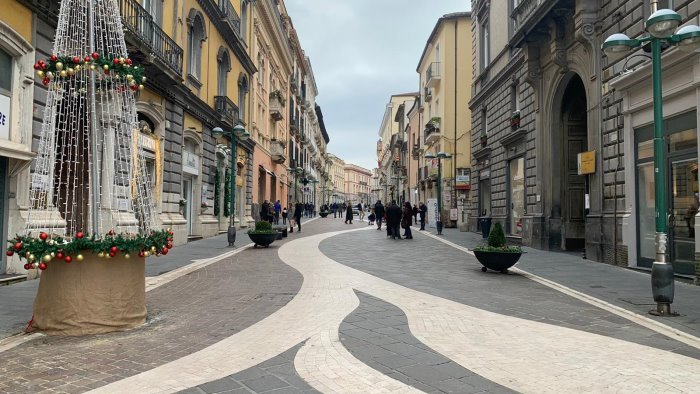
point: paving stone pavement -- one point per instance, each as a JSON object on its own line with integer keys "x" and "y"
{"x": 185, "y": 315}
{"x": 434, "y": 268}
{"x": 18, "y": 298}
{"x": 620, "y": 286}
{"x": 276, "y": 375}
{"x": 377, "y": 333}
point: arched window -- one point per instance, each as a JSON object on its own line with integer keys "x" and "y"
{"x": 242, "y": 92}
{"x": 195, "y": 37}
{"x": 223, "y": 68}
{"x": 244, "y": 20}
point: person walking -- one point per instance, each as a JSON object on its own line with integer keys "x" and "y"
{"x": 407, "y": 220}
{"x": 297, "y": 215}
{"x": 371, "y": 217}
{"x": 284, "y": 216}
{"x": 379, "y": 212}
{"x": 264, "y": 211}
{"x": 422, "y": 210}
{"x": 361, "y": 211}
{"x": 415, "y": 214}
{"x": 278, "y": 211}
{"x": 343, "y": 208}
{"x": 348, "y": 213}
{"x": 334, "y": 208}
{"x": 393, "y": 220}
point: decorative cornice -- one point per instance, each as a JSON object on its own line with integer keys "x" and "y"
{"x": 482, "y": 153}
{"x": 513, "y": 138}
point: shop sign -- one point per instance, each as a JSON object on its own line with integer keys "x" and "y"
{"x": 453, "y": 214}
{"x": 4, "y": 117}
{"x": 586, "y": 162}
{"x": 147, "y": 142}
{"x": 190, "y": 163}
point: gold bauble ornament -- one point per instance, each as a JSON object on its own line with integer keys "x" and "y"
{"x": 31, "y": 257}
{"x": 77, "y": 67}
{"x": 107, "y": 256}
{"x": 63, "y": 73}
{"x": 146, "y": 254}
{"x": 79, "y": 257}
{"x": 141, "y": 87}
{"x": 52, "y": 242}
{"x": 53, "y": 254}
{"x": 153, "y": 249}
{"x": 35, "y": 265}
{"x": 59, "y": 66}
{"x": 92, "y": 67}
{"x": 106, "y": 67}
{"x": 127, "y": 256}
{"x": 49, "y": 75}
{"x": 101, "y": 254}
{"x": 129, "y": 77}
{"x": 47, "y": 258}
{"x": 143, "y": 79}
{"x": 71, "y": 72}
{"x": 40, "y": 74}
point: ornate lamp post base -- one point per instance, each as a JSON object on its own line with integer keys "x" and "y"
{"x": 231, "y": 235}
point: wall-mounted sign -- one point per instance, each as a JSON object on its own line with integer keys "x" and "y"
{"x": 586, "y": 162}
{"x": 147, "y": 142}
{"x": 190, "y": 163}
{"x": 4, "y": 117}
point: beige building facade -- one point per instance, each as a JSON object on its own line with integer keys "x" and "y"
{"x": 357, "y": 184}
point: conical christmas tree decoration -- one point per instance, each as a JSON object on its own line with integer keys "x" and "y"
{"x": 87, "y": 168}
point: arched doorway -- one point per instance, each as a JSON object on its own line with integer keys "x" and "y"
{"x": 570, "y": 137}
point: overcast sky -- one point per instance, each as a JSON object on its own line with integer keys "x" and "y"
{"x": 362, "y": 52}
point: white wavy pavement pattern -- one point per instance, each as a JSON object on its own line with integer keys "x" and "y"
{"x": 523, "y": 355}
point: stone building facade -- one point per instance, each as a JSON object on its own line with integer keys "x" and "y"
{"x": 543, "y": 93}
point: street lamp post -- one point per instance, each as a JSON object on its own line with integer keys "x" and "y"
{"x": 237, "y": 133}
{"x": 660, "y": 27}
{"x": 439, "y": 157}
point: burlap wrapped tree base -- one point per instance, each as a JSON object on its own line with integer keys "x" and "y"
{"x": 93, "y": 296}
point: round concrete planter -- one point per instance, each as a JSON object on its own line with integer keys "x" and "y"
{"x": 497, "y": 261}
{"x": 263, "y": 239}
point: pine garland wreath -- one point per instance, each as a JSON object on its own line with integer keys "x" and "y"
{"x": 39, "y": 251}
{"x": 119, "y": 68}
{"x": 217, "y": 192}
{"x": 227, "y": 193}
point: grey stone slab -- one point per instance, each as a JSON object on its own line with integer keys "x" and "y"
{"x": 405, "y": 359}
{"x": 427, "y": 265}
{"x": 264, "y": 384}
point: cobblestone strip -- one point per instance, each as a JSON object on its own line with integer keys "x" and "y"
{"x": 276, "y": 374}
{"x": 649, "y": 323}
{"x": 328, "y": 366}
{"x": 377, "y": 333}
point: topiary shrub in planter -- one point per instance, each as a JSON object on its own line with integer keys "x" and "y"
{"x": 496, "y": 254}
{"x": 263, "y": 234}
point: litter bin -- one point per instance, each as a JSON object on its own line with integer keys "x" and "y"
{"x": 485, "y": 226}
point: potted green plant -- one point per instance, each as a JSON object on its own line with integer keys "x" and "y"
{"x": 496, "y": 254}
{"x": 435, "y": 120}
{"x": 277, "y": 95}
{"x": 263, "y": 234}
{"x": 515, "y": 119}
{"x": 324, "y": 211}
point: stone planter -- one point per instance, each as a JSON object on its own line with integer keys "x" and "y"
{"x": 263, "y": 240}
{"x": 93, "y": 296}
{"x": 497, "y": 261}
{"x": 323, "y": 214}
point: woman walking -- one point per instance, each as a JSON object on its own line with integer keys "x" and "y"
{"x": 348, "y": 213}
{"x": 406, "y": 220}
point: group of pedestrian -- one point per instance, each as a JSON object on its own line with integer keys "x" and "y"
{"x": 397, "y": 217}
{"x": 271, "y": 212}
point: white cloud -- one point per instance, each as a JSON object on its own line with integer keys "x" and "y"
{"x": 362, "y": 52}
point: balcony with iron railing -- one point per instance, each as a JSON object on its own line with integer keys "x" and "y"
{"x": 143, "y": 31}
{"x": 227, "y": 110}
{"x": 432, "y": 75}
{"x": 432, "y": 131}
{"x": 230, "y": 16}
{"x": 277, "y": 148}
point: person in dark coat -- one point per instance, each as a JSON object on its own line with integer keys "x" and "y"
{"x": 348, "y": 213}
{"x": 264, "y": 211}
{"x": 393, "y": 220}
{"x": 415, "y": 214}
{"x": 407, "y": 219}
{"x": 298, "y": 209}
{"x": 379, "y": 213}
{"x": 422, "y": 211}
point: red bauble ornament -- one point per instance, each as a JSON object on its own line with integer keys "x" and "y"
{"x": 171, "y": 233}
{"x": 76, "y": 59}
{"x": 27, "y": 266}
{"x": 169, "y": 245}
{"x": 128, "y": 61}
{"x": 112, "y": 254}
{"x": 87, "y": 59}
{"x": 54, "y": 58}
{"x": 95, "y": 55}
{"x": 68, "y": 259}
{"x": 164, "y": 251}
{"x": 18, "y": 246}
{"x": 111, "y": 232}
{"x": 79, "y": 234}
{"x": 37, "y": 66}
{"x": 42, "y": 266}
{"x": 45, "y": 81}
{"x": 10, "y": 253}
{"x": 116, "y": 61}
{"x": 141, "y": 254}
{"x": 135, "y": 88}
{"x": 60, "y": 256}
{"x": 113, "y": 249}
{"x": 43, "y": 236}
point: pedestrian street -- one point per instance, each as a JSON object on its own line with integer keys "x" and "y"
{"x": 340, "y": 308}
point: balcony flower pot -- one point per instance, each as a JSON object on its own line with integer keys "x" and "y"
{"x": 484, "y": 140}
{"x": 263, "y": 234}
{"x": 496, "y": 255}
{"x": 515, "y": 120}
